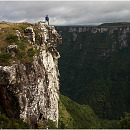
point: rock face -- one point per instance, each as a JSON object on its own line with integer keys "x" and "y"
{"x": 12, "y": 49}
{"x": 31, "y": 91}
{"x": 121, "y": 32}
{"x": 30, "y": 34}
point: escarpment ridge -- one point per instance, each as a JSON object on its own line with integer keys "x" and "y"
{"x": 29, "y": 75}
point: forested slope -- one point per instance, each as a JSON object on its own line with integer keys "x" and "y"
{"x": 94, "y": 68}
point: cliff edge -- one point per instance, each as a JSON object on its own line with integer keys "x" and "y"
{"x": 29, "y": 76}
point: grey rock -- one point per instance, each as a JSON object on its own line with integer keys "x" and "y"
{"x": 12, "y": 49}
{"x": 35, "y": 85}
{"x": 18, "y": 33}
{"x": 30, "y": 34}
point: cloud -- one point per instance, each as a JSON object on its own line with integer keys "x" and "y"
{"x": 66, "y": 12}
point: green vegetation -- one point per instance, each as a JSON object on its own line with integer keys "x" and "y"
{"x": 79, "y": 116}
{"x": 71, "y": 116}
{"x": 5, "y": 58}
{"x": 25, "y": 51}
{"x": 124, "y": 123}
{"x": 94, "y": 71}
{"x": 97, "y": 73}
{"x": 109, "y": 124}
{"x": 6, "y": 123}
{"x": 31, "y": 52}
{"x": 37, "y": 36}
{"x": 75, "y": 116}
{"x": 46, "y": 124}
{"x": 12, "y": 38}
{"x": 65, "y": 119}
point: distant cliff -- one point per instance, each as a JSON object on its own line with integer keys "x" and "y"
{"x": 29, "y": 76}
{"x": 94, "y": 68}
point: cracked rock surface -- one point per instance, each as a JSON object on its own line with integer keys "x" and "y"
{"x": 31, "y": 91}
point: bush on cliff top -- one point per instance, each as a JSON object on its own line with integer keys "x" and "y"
{"x": 8, "y": 37}
{"x": 5, "y": 58}
{"x": 12, "y": 38}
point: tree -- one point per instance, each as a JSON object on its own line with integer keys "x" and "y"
{"x": 124, "y": 123}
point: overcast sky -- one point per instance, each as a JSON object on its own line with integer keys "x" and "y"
{"x": 66, "y": 13}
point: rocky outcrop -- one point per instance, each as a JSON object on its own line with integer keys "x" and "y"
{"x": 30, "y": 34}
{"x": 121, "y": 32}
{"x": 12, "y": 49}
{"x": 34, "y": 86}
{"x": 18, "y": 33}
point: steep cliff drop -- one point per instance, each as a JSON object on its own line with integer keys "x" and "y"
{"x": 99, "y": 61}
{"x": 31, "y": 90}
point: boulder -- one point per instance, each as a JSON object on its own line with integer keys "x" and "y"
{"x": 12, "y": 49}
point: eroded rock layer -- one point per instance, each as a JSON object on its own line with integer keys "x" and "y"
{"x": 31, "y": 90}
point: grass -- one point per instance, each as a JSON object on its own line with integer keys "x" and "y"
{"x": 4, "y": 26}
{"x": 8, "y": 37}
{"x": 12, "y": 38}
{"x": 5, "y": 58}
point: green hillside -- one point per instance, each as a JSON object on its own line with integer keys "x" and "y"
{"x": 81, "y": 116}
{"x": 94, "y": 68}
{"x": 76, "y": 116}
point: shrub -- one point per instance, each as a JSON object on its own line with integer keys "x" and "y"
{"x": 37, "y": 36}
{"x": 22, "y": 27}
{"x": 12, "y": 38}
{"x": 124, "y": 123}
{"x": 25, "y": 57}
{"x": 6, "y": 123}
{"x": 50, "y": 124}
{"x": 37, "y": 52}
{"x": 21, "y": 46}
{"x": 4, "y": 58}
{"x": 21, "y": 54}
{"x": 31, "y": 52}
{"x": 3, "y": 121}
{"x": 46, "y": 124}
{"x": 40, "y": 125}
{"x": 37, "y": 42}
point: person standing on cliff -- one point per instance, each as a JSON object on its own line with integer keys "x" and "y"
{"x": 47, "y": 19}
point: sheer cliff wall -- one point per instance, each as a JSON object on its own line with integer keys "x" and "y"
{"x": 31, "y": 90}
